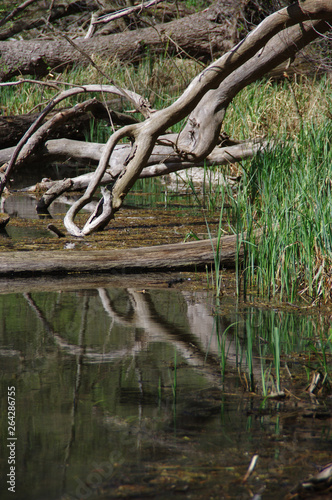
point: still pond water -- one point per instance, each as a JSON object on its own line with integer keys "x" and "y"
{"x": 129, "y": 389}
{"x": 126, "y": 387}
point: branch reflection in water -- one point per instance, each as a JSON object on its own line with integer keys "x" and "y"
{"x": 148, "y": 389}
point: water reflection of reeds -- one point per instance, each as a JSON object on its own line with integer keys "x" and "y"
{"x": 155, "y": 373}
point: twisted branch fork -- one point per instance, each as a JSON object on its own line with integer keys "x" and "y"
{"x": 96, "y": 222}
{"x": 145, "y": 134}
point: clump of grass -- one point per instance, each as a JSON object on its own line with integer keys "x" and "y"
{"x": 160, "y": 78}
{"x": 290, "y": 191}
{"x": 286, "y": 191}
{"x": 278, "y": 109}
{"x": 275, "y": 338}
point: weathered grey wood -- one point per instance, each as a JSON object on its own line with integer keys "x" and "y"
{"x": 175, "y": 256}
{"x": 199, "y": 35}
{"x": 308, "y": 13}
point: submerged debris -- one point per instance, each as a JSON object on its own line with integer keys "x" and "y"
{"x": 321, "y": 482}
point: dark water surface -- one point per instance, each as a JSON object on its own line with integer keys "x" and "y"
{"x": 125, "y": 391}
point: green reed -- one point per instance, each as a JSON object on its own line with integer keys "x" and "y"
{"x": 268, "y": 340}
{"x": 265, "y": 370}
{"x": 249, "y": 355}
{"x": 322, "y": 348}
{"x": 216, "y": 247}
{"x": 223, "y": 349}
{"x": 276, "y": 355}
{"x": 286, "y": 193}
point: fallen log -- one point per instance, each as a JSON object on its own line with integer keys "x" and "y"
{"x": 12, "y": 128}
{"x": 194, "y": 254}
{"x": 212, "y": 31}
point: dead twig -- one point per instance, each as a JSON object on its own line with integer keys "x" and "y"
{"x": 250, "y": 468}
{"x": 126, "y": 12}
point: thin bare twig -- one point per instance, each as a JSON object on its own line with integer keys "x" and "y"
{"x": 250, "y": 468}
{"x": 126, "y": 12}
{"x": 142, "y": 107}
{"x": 28, "y": 80}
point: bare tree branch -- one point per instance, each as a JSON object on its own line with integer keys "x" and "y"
{"x": 171, "y": 163}
{"x": 24, "y": 149}
{"x": 126, "y": 11}
{"x": 275, "y": 40}
{"x": 145, "y": 134}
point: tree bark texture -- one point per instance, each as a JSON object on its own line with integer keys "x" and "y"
{"x": 12, "y": 128}
{"x": 176, "y": 256}
{"x": 204, "y": 35}
{"x": 57, "y": 12}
